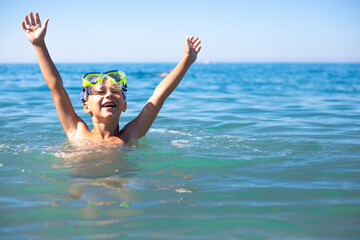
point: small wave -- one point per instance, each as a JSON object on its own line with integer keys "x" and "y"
{"x": 156, "y": 130}
{"x": 184, "y": 190}
{"x": 181, "y": 143}
{"x": 247, "y": 147}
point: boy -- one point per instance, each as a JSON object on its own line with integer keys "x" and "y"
{"x": 104, "y": 94}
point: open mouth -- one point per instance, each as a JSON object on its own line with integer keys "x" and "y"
{"x": 109, "y": 104}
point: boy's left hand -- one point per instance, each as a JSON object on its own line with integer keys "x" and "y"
{"x": 192, "y": 48}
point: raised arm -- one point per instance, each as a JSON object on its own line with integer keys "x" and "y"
{"x": 140, "y": 125}
{"x": 36, "y": 35}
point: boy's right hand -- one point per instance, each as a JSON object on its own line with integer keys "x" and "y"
{"x": 33, "y": 30}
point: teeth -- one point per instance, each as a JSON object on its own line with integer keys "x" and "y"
{"x": 109, "y": 105}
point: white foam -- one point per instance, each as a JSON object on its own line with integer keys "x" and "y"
{"x": 181, "y": 133}
{"x": 183, "y": 190}
{"x": 157, "y": 130}
{"x": 247, "y": 147}
{"x": 181, "y": 143}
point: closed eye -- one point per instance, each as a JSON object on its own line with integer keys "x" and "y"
{"x": 100, "y": 93}
{"x": 103, "y": 92}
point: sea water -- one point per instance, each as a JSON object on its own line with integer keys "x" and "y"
{"x": 238, "y": 151}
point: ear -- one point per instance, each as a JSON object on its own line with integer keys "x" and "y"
{"x": 86, "y": 107}
{"x": 125, "y": 106}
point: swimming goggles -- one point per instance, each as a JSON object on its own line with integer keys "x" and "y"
{"x": 93, "y": 79}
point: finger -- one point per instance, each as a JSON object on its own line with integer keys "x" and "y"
{"x": 38, "y": 22}
{"x": 191, "y": 38}
{"x": 23, "y": 25}
{"x": 32, "y": 19}
{"x": 198, "y": 50}
{"x": 195, "y": 41}
{"x": 197, "y": 44}
{"x": 27, "y": 20}
{"x": 46, "y": 23}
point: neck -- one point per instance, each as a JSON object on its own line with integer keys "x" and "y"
{"x": 105, "y": 130}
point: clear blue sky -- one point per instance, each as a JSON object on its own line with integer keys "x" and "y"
{"x": 154, "y": 31}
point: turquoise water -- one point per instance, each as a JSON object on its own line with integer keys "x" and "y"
{"x": 239, "y": 151}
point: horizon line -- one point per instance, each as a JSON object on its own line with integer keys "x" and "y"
{"x": 201, "y": 62}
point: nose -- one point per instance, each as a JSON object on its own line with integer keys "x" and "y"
{"x": 108, "y": 94}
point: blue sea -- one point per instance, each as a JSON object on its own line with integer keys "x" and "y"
{"x": 239, "y": 151}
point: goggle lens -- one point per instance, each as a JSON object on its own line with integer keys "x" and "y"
{"x": 116, "y": 75}
{"x": 92, "y": 77}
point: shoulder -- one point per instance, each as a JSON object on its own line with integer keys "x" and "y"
{"x": 81, "y": 131}
{"x": 127, "y": 133}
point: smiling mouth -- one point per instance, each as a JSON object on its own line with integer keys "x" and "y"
{"x": 109, "y": 105}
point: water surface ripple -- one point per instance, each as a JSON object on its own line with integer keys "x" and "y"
{"x": 239, "y": 151}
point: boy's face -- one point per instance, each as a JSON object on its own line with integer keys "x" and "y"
{"x": 105, "y": 101}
